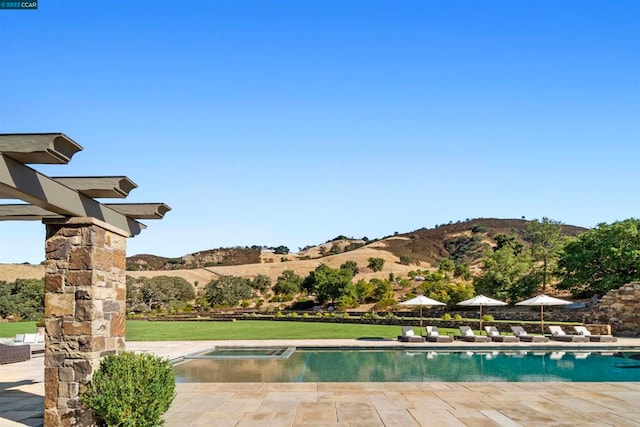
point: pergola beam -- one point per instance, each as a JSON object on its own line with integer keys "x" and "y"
{"x": 111, "y": 187}
{"x": 22, "y": 212}
{"x": 43, "y": 148}
{"x": 26, "y": 184}
{"x": 101, "y": 187}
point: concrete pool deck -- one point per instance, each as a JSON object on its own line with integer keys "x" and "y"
{"x": 357, "y": 404}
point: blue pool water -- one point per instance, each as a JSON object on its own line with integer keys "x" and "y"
{"x": 410, "y": 365}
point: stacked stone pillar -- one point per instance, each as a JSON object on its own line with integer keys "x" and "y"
{"x": 84, "y": 311}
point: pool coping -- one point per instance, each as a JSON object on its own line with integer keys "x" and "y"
{"x": 290, "y": 404}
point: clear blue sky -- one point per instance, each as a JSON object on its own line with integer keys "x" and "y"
{"x": 291, "y": 122}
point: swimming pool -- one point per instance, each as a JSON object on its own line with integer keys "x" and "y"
{"x": 402, "y": 365}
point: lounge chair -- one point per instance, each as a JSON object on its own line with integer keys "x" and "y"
{"x": 522, "y": 335}
{"x": 494, "y": 334}
{"x": 466, "y": 334}
{"x": 409, "y": 336}
{"x": 557, "y": 334}
{"x": 434, "y": 336}
{"x": 581, "y": 330}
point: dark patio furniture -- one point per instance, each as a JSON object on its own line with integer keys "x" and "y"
{"x": 14, "y": 353}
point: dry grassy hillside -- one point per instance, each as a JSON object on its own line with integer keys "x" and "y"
{"x": 271, "y": 266}
{"x": 424, "y": 247}
{"x": 274, "y": 269}
{"x": 11, "y": 272}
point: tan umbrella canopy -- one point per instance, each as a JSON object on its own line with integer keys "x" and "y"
{"x": 421, "y": 301}
{"x": 481, "y": 301}
{"x": 543, "y": 300}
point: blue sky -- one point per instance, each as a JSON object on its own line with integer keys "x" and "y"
{"x": 291, "y": 122}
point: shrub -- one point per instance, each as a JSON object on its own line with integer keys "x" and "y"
{"x": 278, "y": 314}
{"x": 446, "y": 316}
{"x": 478, "y": 228}
{"x": 131, "y": 390}
{"x": 487, "y": 318}
{"x": 305, "y": 315}
{"x": 302, "y": 304}
{"x": 376, "y": 264}
{"x": 457, "y": 317}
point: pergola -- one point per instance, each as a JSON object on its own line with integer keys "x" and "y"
{"x": 85, "y": 261}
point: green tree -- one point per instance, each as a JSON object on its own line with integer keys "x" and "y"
{"x": 382, "y": 289}
{"x": 506, "y": 273}
{"x": 261, "y": 283}
{"x": 546, "y": 244}
{"x": 350, "y": 265}
{"x": 281, "y": 250}
{"x": 446, "y": 265}
{"x": 462, "y": 270}
{"x": 23, "y": 298}
{"x": 329, "y": 284}
{"x": 335, "y": 249}
{"x": 601, "y": 259}
{"x": 288, "y": 283}
{"x": 364, "y": 290}
{"x": 503, "y": 240}
{"x": 227, "y": 290}
{"x": 376, "y": 264}
{"x": 159, "y": 291}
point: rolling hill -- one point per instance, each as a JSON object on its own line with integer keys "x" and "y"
{"x": 423, "y": 248}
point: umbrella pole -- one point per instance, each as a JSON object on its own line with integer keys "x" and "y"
{"x": 421, "y": 319}
{"x": 542, "y": 318}
{"x": 480, "y": 319}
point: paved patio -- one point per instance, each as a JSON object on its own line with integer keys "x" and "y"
{"x": 354, "y": 404}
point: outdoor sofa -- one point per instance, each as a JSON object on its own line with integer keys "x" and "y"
{"x": 14, "y": 353}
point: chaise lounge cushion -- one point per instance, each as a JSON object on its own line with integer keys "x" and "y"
{"x": 434, "y": 336}
{"x": 409, "y": 336}
{"x": 522, "y": 335}
{"x": 557, "y": 334}
{"x": 581, "y": 330}
{"x": 494, "y": 335}
{"x": 466, "y": 334}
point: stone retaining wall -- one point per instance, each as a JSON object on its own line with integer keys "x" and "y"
{"x": 621, "y": 308}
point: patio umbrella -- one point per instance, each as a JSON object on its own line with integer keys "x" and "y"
{"x": 543, "y": 300}
{"x": 421, "y": 301}
{"x": 481, "y": 301}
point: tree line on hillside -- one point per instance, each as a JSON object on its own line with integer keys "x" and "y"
{"x": 594, "y": 262}
{"x": 590, "y": 264}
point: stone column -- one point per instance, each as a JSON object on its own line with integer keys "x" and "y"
{"x": 85, "y": 293}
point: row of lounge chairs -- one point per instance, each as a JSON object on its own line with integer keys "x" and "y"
{"x": 493, "y": 335}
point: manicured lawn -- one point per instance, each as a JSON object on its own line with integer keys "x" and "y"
{"x": 139, "y": 330}
{"x": 142, "y": 330}
{"x": 10, "y": 329}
